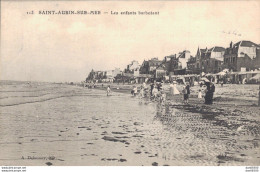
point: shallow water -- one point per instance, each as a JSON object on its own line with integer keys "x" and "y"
{"x": 68, "y": 125}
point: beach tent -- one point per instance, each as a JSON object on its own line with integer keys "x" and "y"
{"x": 256, "y": 77}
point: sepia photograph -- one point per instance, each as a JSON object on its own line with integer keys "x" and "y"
{"x": 130, "y": 83}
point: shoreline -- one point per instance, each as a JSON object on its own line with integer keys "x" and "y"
{"x": 227, "y": 106}
{"x": 217, "y": 97}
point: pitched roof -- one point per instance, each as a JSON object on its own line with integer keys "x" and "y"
{"x": 153, "y": 62}
{"x": 203, "y": 50}
{"x": 211, "y": 49}
{"x": 182, "y": 55}
{"x": 217, "y": 49}
{"x": 246, "y": 44}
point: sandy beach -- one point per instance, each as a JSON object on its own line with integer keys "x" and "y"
{"x": 57, "y": 124}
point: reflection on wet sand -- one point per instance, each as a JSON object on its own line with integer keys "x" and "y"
{"x": 67, "y": 125}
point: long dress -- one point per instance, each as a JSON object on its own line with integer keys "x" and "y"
{"x": 175, "y": 90}
{"x": 171, "y": 89}
{"x": 155, "y": 92}
{"x": 141, "y": 92}
{"x": 135, "y": 91}
{"x": 200, "y": 95}
{"x": 209, "y": 94}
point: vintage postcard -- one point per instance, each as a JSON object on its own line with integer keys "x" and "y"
{"x": 130, "y": 83}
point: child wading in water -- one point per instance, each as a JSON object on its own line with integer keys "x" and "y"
{"x": 108, "y": 90}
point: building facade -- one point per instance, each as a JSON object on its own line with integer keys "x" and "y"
{"x": 198, "y": 58}
{"x": 183, "y": 58}
{"x": 242, "y": 56}
{"x": 212, "y": 60}
{"x": 132, "y": 67}
{"x": 149, "y": 66}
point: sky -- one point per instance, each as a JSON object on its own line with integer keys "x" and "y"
{"x": 64, "y": 48}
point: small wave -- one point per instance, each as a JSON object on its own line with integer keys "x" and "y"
{"x": 47, "y": 99}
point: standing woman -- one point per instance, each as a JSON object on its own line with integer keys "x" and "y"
{"x": 141, "y": 91}
{"x": 175, "y": 90}
{"x": 200, "y": 94}
{"x": 188, "y": 91}
{"x": 185, "y": 94}
{"x": 151, "y": 89}
{"x": 211, "y": 92}
{"x": 207, "y": 93}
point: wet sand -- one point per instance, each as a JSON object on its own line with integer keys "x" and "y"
{"x": 54, "y": 124}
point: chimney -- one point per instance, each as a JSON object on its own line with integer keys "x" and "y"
{"x": 231, "y": 44}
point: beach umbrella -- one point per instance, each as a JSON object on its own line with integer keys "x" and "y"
{"x": 225, "y": 70}
{"x": 204, "y": 79}
{"x": 221, "y": 73}
{"x": 256, "y": 77}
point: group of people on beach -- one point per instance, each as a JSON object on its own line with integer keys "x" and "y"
{"x": 157, "y": 93}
